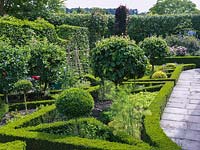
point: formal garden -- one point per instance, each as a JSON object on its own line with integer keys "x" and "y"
{"x": 91, "y": 81}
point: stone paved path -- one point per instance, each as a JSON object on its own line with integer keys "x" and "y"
{"x": 181, "y": 117}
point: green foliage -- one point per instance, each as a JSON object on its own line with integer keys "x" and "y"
{"x": 170, "y": 66}
{"x": 159, "y": 74}
{"x": 154, "y": 48}
{"x": 46, "y": 59}
{"x": 88, "y": 128}
{"x": 39, "y": 140}
{"x": 21, "y": 31}
{"x": 116, "y": 58}
{"x": 121, "y": 18}
{"x": 141, "y": 27}
{"x": 77, "y": 45}
{"x": 98, "y": 25}
{"x": 77, "y": 36}
{"x": 17, "y": 145}
{"x": 23, "y": 85}
{"x": 163, "y": 7}
{"x": 128, "y": 110}
{"x": 191, "y": 43}
{"x": 25, "y": 9}
{"x": 93, "y": 80}
{"x": 13, "y": 65}
{"x": 3, "y": 108}
{"x": 74, "y": 103}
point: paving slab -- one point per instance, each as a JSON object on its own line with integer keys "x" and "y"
{"x": 181, "y": 117}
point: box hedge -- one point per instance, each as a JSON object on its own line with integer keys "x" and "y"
{"x": 153, "y": 134}
{"x": 181, "y": 60}
{"x": 15, "y": 145}
{"x": 152, "y": 130}
{"x": 30, "y": 105}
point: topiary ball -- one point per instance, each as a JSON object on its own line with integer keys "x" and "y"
{"x": 159, "y": 75}
{"x": 74, "y": 103}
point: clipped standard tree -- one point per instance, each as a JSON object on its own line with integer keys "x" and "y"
{"x": 23, "y": 86}
{"x": 115, "y": 58}
{"x": 154, "y": 48}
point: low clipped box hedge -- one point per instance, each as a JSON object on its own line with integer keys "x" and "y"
{"x": 15, "y": 145}
{"x": 30, "y": 105}
{"x": 181, "y": 60}
{"x": 153, "y": 134}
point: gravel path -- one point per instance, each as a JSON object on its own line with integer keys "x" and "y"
{"x": 181, "y": 117}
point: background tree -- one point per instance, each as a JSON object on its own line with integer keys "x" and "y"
{"x": 154, "y": 48}
{"x": 23, "y": 86}
{"x": 121, "y": 16}
{"x": 116, "y": 58}
{"x": 173, "y": 7}
{"x": 13, "y": 66}
{"x": 46, "y": 59}
{"x": 27, "y": 8}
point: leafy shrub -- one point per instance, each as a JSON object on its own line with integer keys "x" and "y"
{"x": 154, "y": 48}
{"x": 121, "y": 18}
{"x": 128, "y": 110}
{"x": 46, "y": 59}
{"x": 13, "y": 65}
{"x": 191, "y": 43}
{"x": 74, "y": 103}
{"x": 23, "y": 85}
{"x": 116, "y": 58}
{"x": 159, "y": 75}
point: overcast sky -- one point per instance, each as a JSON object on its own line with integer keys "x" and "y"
{"x": 141, "y": 5}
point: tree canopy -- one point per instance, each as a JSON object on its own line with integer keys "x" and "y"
{"x": 115, "y": 58}
{"x": 26, "y": 8}
{"x": 173, "y": 7}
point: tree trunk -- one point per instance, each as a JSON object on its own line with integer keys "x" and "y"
{"x": 45, "y": 88}
{"x": 2, "y": 12}
{"x": 6, "y": 97}
{"x": 25, "y": 102}
{"x": 152, "y": 69}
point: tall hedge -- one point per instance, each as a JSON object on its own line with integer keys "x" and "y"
{"x": 77, "y": 37}
{"x": 140, "y": 27}
{"x": 98, "y": 25}
{"x": 20, "y": 31}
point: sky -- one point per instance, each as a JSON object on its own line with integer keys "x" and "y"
{"x": 141, "y": 5}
